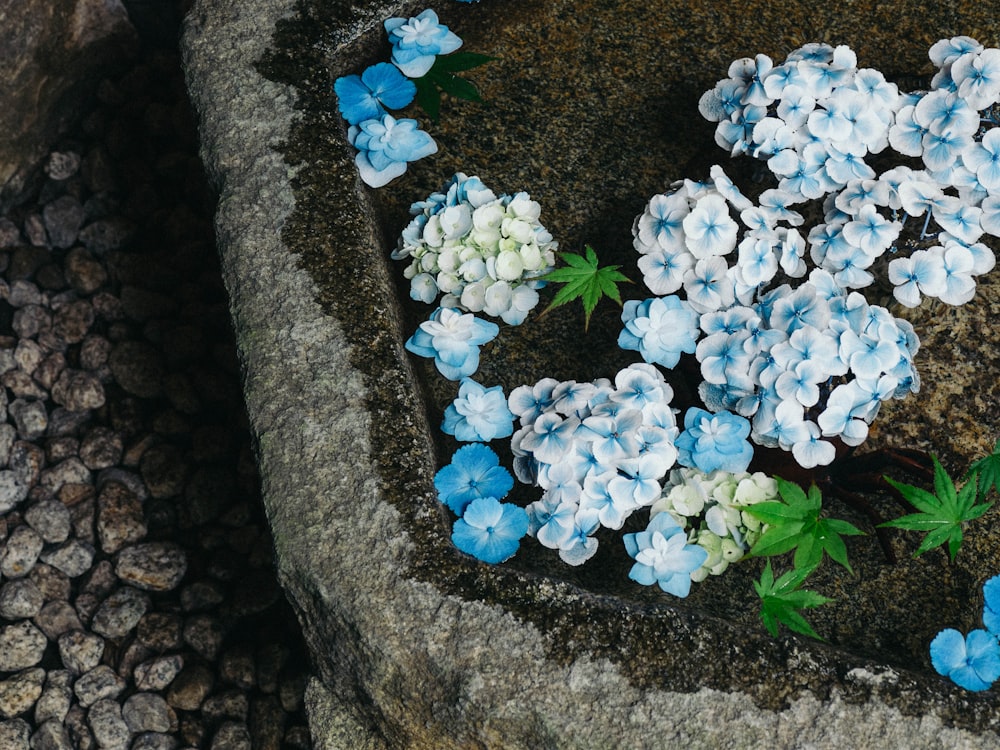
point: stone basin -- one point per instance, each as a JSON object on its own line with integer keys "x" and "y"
{"x": 591, "y": 107}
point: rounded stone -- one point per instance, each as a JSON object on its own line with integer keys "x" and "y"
{"x": 148, "y": 712}
{"x": 78, "y": 390}
{"x": 83, "y": 272}
{"x": 12, "y": 491}
{"x": 106, "y": 722}
{"x": 156, "y": 566}
{"x": 51, "y": 735}
{"x": 30, "y": 418}
{"x": 62, "y": 165}
{"x": 56, "y": 697}
{"x": 138, "y": 367}
{"x": 231, "y": 735}
{"x": 100, "y": 683}
{"x": 190, "y": 688}
{"x": 19, "y": 693}
{"x": 51, "y": 519}
{"x": 63, "y": 218}
{"x": 14, "y": 734}
{"x": 120, "y": 517}
{"x": 100, "y": 448}
{"x": 20, "y": 553}
{"x": 80, "y": 651}
{"x": 20, "y": 598}
{"x": 120, "y": 612}
{"x": 157, "y": 674}
{"x": 21, "y": 646}
{"x": 57, "y": 617}
{"x": 73, "y": 557}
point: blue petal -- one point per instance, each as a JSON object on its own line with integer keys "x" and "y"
{"x": 948, "y": 651}
{"x": 991, "y": 610}
{"x": 391, "y": 88}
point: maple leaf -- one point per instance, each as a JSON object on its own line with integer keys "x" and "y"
{"x": 781, "y": 600}
{"x": 585, "y": 281}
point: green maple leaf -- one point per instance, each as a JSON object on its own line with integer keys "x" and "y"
{"x": 988, "y": 471}
{"x": 941, "y": 513}
{"x": 781, "y": 600}
{"x": 585, "y": 281}
{"x": 441, "y": 78}
{"x": 794, "y": 522}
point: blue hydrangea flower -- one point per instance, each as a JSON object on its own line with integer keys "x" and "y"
{"x": 386, "y": 145}
{"x": 714, "y": 441}
{"x": 972, "y": 661}
{"x": 991, "y": 609}
{"x": 663, "y": 556}
{"x": 474, "y": 472}
{"x": 417, "y": 41}
{"x": 368, "y": 96}
{"x": 489, "y": 530}
{"x": 453, "y": 340}
{"x": 660, "y": 329}
{"x": 478, "y": 414}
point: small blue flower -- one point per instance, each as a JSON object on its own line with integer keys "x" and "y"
{"x": 972, "y": 662}
{"x": 489, "y": 530}
{"x": 660, "y": 329}
{"x": 714, "y": 441}
{"x": 991, "y": 610}
{"x": 453, "y": 340}
{"x": 663, "y": 556}
{"x": 368, "y": 96}
{"x": 417, "y": 41}
{"x": 478, "y": 414}
{"x": 474, "y": 472}
{"x": 385, "y": 146}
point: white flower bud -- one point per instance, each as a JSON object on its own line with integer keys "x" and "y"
{"x": 509, "y": 265}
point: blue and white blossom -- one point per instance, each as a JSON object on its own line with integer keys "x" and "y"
{"x": 452, "y": 340}
{"x": 480, "y": 252}
{"x": 417, "y": 41}
{"x": 489, "y": 530}
{"x": 385, "y": 145}
{"x": 474, "y": 472}
{"x": 663, "y": 556}
{"x": 478, "y": 414}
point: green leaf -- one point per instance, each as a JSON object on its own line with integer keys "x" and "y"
{"x": 782, "y": 599}
{"x": 795, "y": 523}
{"x": 988, "y": 470}
{"x": 586, "y": 281}
{"x": 428, "y": 98}
{"x": 941, "y": 514}
{"x": 455, "y": 86}
{"x": 457, "y": 61}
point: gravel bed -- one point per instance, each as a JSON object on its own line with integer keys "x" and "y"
{"x": 138, "y": 604}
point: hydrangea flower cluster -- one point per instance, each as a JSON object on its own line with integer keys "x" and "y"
{"x": 711, "y": 509}
{"x": 813, "y": 118}
{"x": 386, "y": 144}
{"x": 452, "y": 340}
{"x": 483, "y": 252}
{"x": 972, "y": 661}
{"x": 598, "y": 450}
{"x": 805, "y": 364}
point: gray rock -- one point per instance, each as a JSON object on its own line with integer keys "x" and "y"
{"x": 83, "y": 272}
{"x": 109, "y": 728}
{"x": 27, "y": 460}
{"x": 148, "y": 712}
{"x": 237, "y": 667}
{"x": 20, "y": 552}
{"x": 231, "y": 704}
{"x": 158, "y": 673}
{"x": 70, "y": 471}
{"x": 138, "y": 367}
{"x": 101, "y": 447}
{"x": 28, "y": 354}
{"x": 79, "y": 732}
{"x": 80, "y": 651}
{"x": 20, "y": 598}
{"x": 120, "y": 517}
{"x": 155, "y": 566}
{"x": 63, "y": 218}
{"x": 23, "y": 293}
{"x": 120, "y": 612}
{"x": 57, "y": 617}
{"x": 164, "y": 470}
{"x": 12, "y": 491}
{"x": 14, "y": 734}
{"x": 56, "y": 697}
{"x": 53, "y": 584}
{"x": 30, "y": 418}
{"x": 99, "y": 684}
{"x": 154, "y": 741}
{"x": 190, "y": 688}
{"x": 231, "y": 735}
{"x": 72, "y": 557}
{"x": 62, "y": 165}
{"x": 31, "y": 320}
{"x": 78, "y": 390}
{"x": 19, "y": 692}
{"x": 51, "y": 735}
{"x": 104, "y": 235}
{"x": 21, "y": 646}
{"x": 51, "y": 519}
{"x": 160, "y": 631}
{"x": 204, "y": 634}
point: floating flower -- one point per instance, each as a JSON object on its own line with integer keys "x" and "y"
{"x": 663, "y": 556}
{"x": 368, "y": 96}
{"x": 489, "y": 530}
{"x": 386, "y": 145}
{"x": 452, "y": 340}
{"x": 714, "y": 441}
{"x": 660, "y": 329}
{"x": 474, "y": 472}
{"x": 971, "y": 662}
{"x": 478, "y": 414}
{"x": 418, "y": 40}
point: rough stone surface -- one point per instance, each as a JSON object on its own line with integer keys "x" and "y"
{"x": 412, "y": 658}
{"x": 80, "y": 40}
